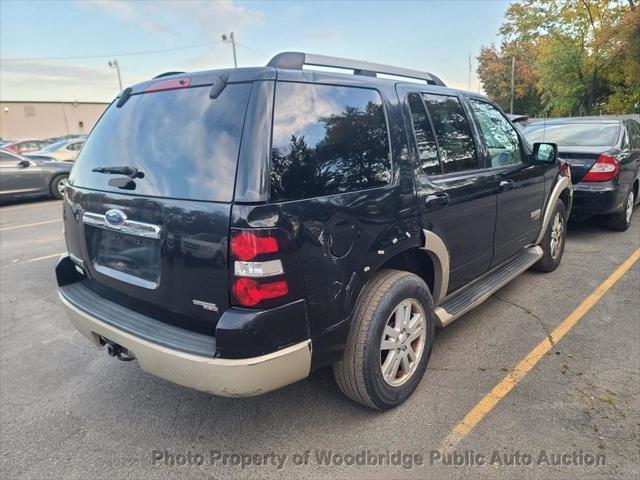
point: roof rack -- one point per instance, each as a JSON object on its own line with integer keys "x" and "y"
{"x": 296, "y": 60}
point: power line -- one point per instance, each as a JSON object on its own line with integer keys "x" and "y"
{"x": 126, "y": 54}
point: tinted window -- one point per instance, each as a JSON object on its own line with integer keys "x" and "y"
{"x": 185, "y": 143}
{"x": 327, "y": 140}
{"x": 425, "y": 141}
{"x": 574, "y": 134}
{"x": 500, "y": 137}
{"x": 457, "y": 151}
{"x": 634, "y": 135}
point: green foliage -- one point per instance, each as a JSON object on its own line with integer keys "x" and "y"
{"x": 573, "y": 57}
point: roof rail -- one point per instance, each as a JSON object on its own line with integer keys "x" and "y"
{"x": 296, "y": 60}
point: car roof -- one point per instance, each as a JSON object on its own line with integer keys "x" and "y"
{"x": 248, "y": 74}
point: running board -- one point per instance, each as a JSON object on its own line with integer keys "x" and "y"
{"x": 469, "y": 297}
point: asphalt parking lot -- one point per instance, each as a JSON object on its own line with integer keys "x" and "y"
{"x": 70, "y": 411}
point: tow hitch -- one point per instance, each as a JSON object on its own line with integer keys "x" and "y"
{"x": 116, "y": 350}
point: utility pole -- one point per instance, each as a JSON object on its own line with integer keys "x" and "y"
{"x": 232, "y": 40}
{"x": 114, "y": 64}
{"x": 513, "y": 76}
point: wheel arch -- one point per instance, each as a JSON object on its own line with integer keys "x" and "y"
{"x": 561, "y": 188}
{"x": 429, "y": 261}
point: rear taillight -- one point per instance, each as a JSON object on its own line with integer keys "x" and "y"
{"x": 249, "y": 292}
{"x": 247, "y": 246}
{"x": 258, "y": 272}
{"x": 605, "y": 169}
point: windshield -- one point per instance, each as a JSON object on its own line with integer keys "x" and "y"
{"x": 574, "y": 134}
{"x": 54, "y": 146}
{"x": 184, "y": 144}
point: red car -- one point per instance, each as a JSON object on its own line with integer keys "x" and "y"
{"x": 26, "y": 146}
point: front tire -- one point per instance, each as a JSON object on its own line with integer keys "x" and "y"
{"x": 621, "y": 220}
{"x": 390, "y": 341}
{"x": 553, "y": 240}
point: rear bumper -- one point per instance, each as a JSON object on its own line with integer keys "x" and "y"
{"x": 226, "y": 377}
{"x": 597, "y": 198}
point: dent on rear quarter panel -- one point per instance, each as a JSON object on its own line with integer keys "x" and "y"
{"x": 341, "y": 240}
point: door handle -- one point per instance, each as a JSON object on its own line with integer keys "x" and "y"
{"x": 436, "y": 201}
{"x": 506, "y": 185}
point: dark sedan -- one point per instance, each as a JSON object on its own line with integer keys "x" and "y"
{"x": 30, "y": 177}
{"x": 604, "y": 156}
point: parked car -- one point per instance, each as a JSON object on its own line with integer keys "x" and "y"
{"x": 29, "y": 177}
{"x": 234, "y": 230}
{"x": 25, "y": 146}
{"x": 604, "y": 155}
{"x": 62, "y": 150}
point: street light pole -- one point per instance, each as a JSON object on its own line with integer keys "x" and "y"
{"x": 114, "y": 64}
{"x": 232, "y": 40}
{"x": 513, "y": 76}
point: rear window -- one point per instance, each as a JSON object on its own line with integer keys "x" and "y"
{"x": 185, "y": 144}
{"x": 327, "y": 140}
{"x": 574, "y": 134}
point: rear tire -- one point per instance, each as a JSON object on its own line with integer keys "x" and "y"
{"x": 58, "y": 184}
{"x": 386, "y": 355}
{"x": 554, "y": 240}
{"x": 621, "y": 220}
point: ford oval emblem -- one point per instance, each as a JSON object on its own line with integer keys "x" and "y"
{"x": 115, "y": 217}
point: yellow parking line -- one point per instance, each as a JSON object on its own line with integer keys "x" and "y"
{"x": 37, "y": 259}
{"x": 484, "y": 406}
{"x": 35, "y": 205}
{"x": 15, "y": 227}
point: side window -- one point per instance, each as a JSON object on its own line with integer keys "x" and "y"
{"x": 425, "y": 141}
{"x": 634, "y": 134}
{"x": 500, "y": 137}
{"x": 327, "y": 140}
{"x": 457, "y": 150}
{"x": 74, "y": 146}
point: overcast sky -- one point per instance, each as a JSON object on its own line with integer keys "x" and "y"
{"x": 38, "y": 39}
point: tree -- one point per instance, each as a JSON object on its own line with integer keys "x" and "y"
{"x": 494, "y": 69}
{"x": 578, "y": 52}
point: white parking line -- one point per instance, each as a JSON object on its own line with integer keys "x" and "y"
{"x": 37, "y": 259}
{"x": 35, "y": 205}
{"x": 15, "y": 227}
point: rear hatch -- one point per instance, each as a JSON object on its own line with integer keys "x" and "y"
{"x": 149, "y": 202}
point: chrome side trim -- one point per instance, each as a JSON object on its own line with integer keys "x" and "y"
{"x": 439, "y": 254}
{"x": 562, "y": 184}
{"x": 130, "y": 227}
{"x": 242, "y": 377}
{"x": 444, "y": 318}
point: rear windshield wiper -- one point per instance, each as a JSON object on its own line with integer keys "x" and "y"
{"x": 131, "y": 172}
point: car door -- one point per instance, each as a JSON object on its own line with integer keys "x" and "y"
{"x": 520, "y": 181}
{"x": 19, "y": 176}
{"x": 456, "y": 193}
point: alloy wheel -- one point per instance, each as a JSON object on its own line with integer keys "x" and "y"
{"x": 557, "y": 235}
{"x": 403, "y": 342}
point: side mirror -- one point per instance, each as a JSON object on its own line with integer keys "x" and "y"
{"x": 546, "y": 153}
{"x": 24, "y": 163}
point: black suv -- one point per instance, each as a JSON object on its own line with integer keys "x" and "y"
{"x": 234, "y": 230}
